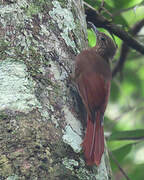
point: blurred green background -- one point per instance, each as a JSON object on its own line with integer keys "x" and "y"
{"x": 124, "y": 120}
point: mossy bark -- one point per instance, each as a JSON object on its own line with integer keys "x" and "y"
{"x": 40, "y": 131}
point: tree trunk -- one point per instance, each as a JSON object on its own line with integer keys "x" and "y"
{"x": 40, "y": 128}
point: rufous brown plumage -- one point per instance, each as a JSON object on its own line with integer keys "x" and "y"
{"x": 92, "y": 77}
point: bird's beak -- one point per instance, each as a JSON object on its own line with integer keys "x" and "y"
{"x": 93, "y": 27}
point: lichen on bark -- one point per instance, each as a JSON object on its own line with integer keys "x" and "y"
{"x": 37, "y": 115}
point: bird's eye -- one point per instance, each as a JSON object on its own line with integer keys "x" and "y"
{"x": 103, "y": 38}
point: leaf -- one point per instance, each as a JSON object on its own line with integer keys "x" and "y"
{"x": 137, "y": 172}
{"x": 121, "y": 4}
{"x": 91, "y": 38}
{"x": 120, "y": 153}
{"x": 127, "y": 135}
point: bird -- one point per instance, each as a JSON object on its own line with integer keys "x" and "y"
{"x": 92, "y": 76}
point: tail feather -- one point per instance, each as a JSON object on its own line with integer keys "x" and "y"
{"x": 93, "y": 143}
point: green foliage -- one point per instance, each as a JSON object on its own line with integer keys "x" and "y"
{"x": 91, "y": 38}
{"x": 137, "y": 172}
{"x": 127, "y": 135}
{"x": 120, "y": 154}
{"x": 125, "y": 113}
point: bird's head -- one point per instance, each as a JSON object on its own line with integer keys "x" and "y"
{"x": 105, "y": 46}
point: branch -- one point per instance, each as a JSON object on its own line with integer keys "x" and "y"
{"x": 118, "y": 165}
{"x": 125, "y": 49}
{"x": 101, "y": 21}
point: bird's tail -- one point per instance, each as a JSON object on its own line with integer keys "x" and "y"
{"x": 93, "y": 144}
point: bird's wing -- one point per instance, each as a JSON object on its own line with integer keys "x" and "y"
{"x": 94, "y": 91}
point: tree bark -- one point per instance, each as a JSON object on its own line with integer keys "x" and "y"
{"x": 40, "y": 128}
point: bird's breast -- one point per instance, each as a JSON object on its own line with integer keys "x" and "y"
{"x": 88, "y": 61}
